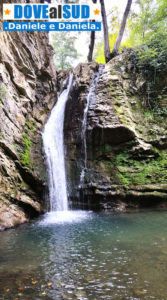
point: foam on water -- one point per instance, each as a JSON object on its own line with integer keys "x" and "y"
{"x": 59, "y": 217}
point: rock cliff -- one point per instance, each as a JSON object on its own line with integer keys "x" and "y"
{"x": 126, "y": 142}
{"x": 27, "y": 94}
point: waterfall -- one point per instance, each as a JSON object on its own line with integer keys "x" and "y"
{"x": 90, "y": 98}
{"x": 53, "y": 141}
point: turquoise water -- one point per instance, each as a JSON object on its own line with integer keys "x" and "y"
{"x": 88, "y": 256}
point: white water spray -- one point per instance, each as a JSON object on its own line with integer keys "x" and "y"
{"x": 53, "y": 141}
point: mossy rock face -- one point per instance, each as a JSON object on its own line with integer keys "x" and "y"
{"x": 126, "y": 142}
{"x": 139, "y": 172}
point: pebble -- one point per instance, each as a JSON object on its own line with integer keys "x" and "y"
{"x": 140, "y": 292}
{"x": 81, "y": 295}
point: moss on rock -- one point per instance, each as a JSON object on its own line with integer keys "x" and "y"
{"x": 139, "y": 172}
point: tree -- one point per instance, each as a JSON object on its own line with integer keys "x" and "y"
{"x": 146, "y": 28}
{"x": 110, "y": 38}
{"x": 114, "y": 25}
{"x": 122, "y": 28}
{"x": 92, "y": 42}
{"x": 105, "y": 32}
{"x": 91, "y": 46}
{"x": 65, "y": 52}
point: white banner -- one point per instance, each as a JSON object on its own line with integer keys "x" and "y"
{"x": 52, "y": 12}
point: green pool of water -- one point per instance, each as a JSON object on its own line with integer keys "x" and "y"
{"x": 86, "y": 256}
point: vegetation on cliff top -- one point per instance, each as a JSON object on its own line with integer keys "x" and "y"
{"x": 147, "y": 23}
{"x": 150, "y": 60}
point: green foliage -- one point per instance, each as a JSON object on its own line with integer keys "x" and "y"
{"x": 136, "y": 172}
{"x": 114, "y": 27}
{"x": 99, "y": 53}
{"x": 150, "y": 60}
{"x": 147, "y": 24}
{"x": 29, "y": 126}
{"x": 140, "y": 23}
{"x": 113, "y": 32}
{"x": 25, "y": 155}
{"x": 122, "y": 158}
{"x": 148, "y": 29}
{"x": 65, "y": 52}
{"x": 148, "y": 115}
{"x": 124, "y": 180}
{"x": 152, "y": 55}
{"x": 105, "y": 148}
{"x": 149, "y": 21}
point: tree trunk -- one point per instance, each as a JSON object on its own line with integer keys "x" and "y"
{"x": 122, "y": 28}
{"x": 91, "y": 46}
{"x": 105, "y": 31}
{"x": 92, "y": 42}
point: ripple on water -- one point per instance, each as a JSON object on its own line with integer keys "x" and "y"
{"x": 77, "y": 255}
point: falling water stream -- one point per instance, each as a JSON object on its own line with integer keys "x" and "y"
{"x": 53, "y": 141}
{"x": 90, "y": 98}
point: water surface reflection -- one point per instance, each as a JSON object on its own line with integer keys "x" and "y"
{"x": 87, "y": 256}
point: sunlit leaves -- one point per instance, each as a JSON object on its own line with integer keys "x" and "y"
{"x": 113, "y": 32}
{"x": 148, "y": 22}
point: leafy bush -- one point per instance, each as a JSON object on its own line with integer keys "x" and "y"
{"x": 150, "y": 60}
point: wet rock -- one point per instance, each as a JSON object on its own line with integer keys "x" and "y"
{"x": 11, "y": 215}
{"x": 116, "y": 127}
{"x": 27, "y": 92}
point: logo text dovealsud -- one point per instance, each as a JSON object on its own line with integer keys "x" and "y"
{"x": 59, "y": 17}
{"x": 50, "y": 11}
